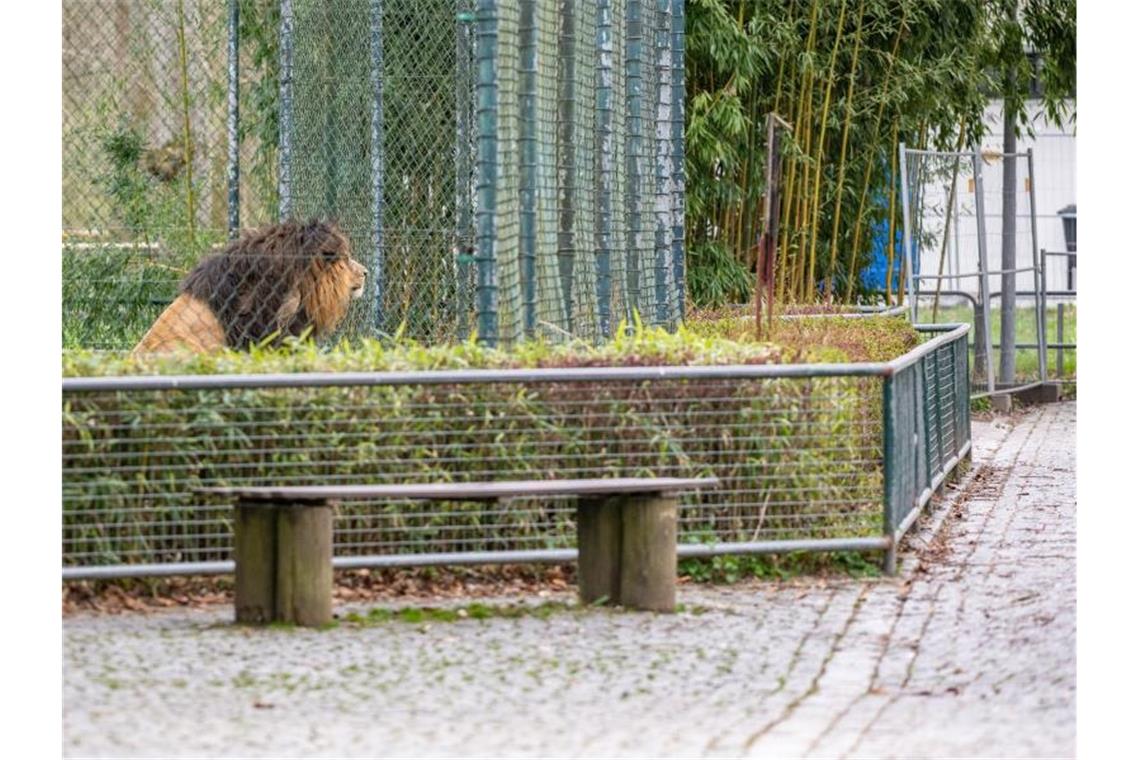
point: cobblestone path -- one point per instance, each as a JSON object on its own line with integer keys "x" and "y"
{"x": 970, "y": 651}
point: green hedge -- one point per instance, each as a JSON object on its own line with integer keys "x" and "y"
{"x": 798, "y": 457}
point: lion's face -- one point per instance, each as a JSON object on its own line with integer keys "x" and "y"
{"x": 335, "y": 279}
{"x": 357, "y": 276}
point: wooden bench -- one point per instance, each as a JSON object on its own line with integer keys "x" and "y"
{"x": 627, "y": 539}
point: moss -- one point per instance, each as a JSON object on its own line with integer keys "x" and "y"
{"x": 473, "y": 611}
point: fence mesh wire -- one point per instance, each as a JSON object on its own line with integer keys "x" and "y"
{"x": 504, "y": 168}
{"x": 146, "y": 152}
{"x": 929, "y": 412}
{"x": 796, "y": 457}
{"x": 952, "y": 242}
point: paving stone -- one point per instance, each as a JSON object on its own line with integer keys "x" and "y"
{"x": 969, "y": 652}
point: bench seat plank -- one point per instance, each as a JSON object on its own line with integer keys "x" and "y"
{"x": 466, "y": 491}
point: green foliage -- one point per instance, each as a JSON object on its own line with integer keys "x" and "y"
{"x": 731, "y": 568}
{"x": 1048, "y": 28}
{"x": 114, "y": 294}
{"x": 714, "y": 337}
{"x": 113, "y": 291}
{"x": 149, "y": 209}
{"x": 715, "y": 276}
{"x": 917, "y": 71}
{"x": 795, "y": 450}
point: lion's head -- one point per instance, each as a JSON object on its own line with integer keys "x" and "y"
{"x": 283, "y": 279}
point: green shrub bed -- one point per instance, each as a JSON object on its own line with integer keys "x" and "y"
{"x": 797, "y": 457}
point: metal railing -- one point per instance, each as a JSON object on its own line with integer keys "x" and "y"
{"x": 1060, "y": 346}
{"x": 811, "y": 457}
{"x": 944, "y": 211}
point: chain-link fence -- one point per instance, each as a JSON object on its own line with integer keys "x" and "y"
{"x": 505, "y": 168}
{"x": 152, "y": 149}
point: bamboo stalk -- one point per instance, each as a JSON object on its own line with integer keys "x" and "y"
{"x": 946, "y": 223}
{"x": 870, "y": 162}
{"x": 891, "y": 211}
{"x": 843, "y": 158}
{"x": 809, "y": 285}
{"x": 803, "y": 125}
{"x": 787, "y": 181}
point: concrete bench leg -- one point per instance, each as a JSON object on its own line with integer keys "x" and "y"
{"x": 627, "y": 551}
{"x": 283, "y": 554}
{"x": 255, "y": 558}
{"x": 599, "y": 550}
{"x": 649, "y": 553}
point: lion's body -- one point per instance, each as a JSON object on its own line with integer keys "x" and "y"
{"x": 278, "y": 281}
{"x": 185, "y": 325}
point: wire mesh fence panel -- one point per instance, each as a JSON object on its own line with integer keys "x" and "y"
{"x": 926, "y": 428}
{"x": 956, "y": 212}
{"x": 146, "y": 153}
{"x": 796, "y": 457}
{"x": 579, "y": 167}
{"x": 507, "y": 168}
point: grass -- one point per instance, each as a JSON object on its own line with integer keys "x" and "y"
{"x": 114, "y": 294}
{"x": 1025, "y": 361}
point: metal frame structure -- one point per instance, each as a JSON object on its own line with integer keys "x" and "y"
{"x": 983, "y": 272}
{"x": 922, "y": 424}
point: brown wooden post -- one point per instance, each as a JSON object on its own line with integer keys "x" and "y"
{"x": 255, "y": 541}
{"x": 599, "y": 550}
{"x": 649, "y": 553}
{"x": 304, "y": 564}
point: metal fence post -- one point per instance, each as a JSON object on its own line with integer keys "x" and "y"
{"x": 233, "y": 157}
{"x": 605, "y": 178}
{"x": 985, "y": 340}
{"x": 662, "y": 159}
{"x": 376, "y": 70}
{"x": 1038, "y": 276}
{"x": 678, "y": 122}
{"x": 487, "y": 113}
{"x": 565, "y": 162}
{"x": 633, "y": 155}
{"x": 962, "y": 394}
{"x": 528, "y": 147}
{"x": 1060, "y": 340}
{"x": 890, "y": 474}
{"x": 908, "y": 245}
{"x": 464, "y": 243}
{"x": 285, "y": 137}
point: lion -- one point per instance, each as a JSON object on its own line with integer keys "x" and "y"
{"x": 277, "y": 281}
